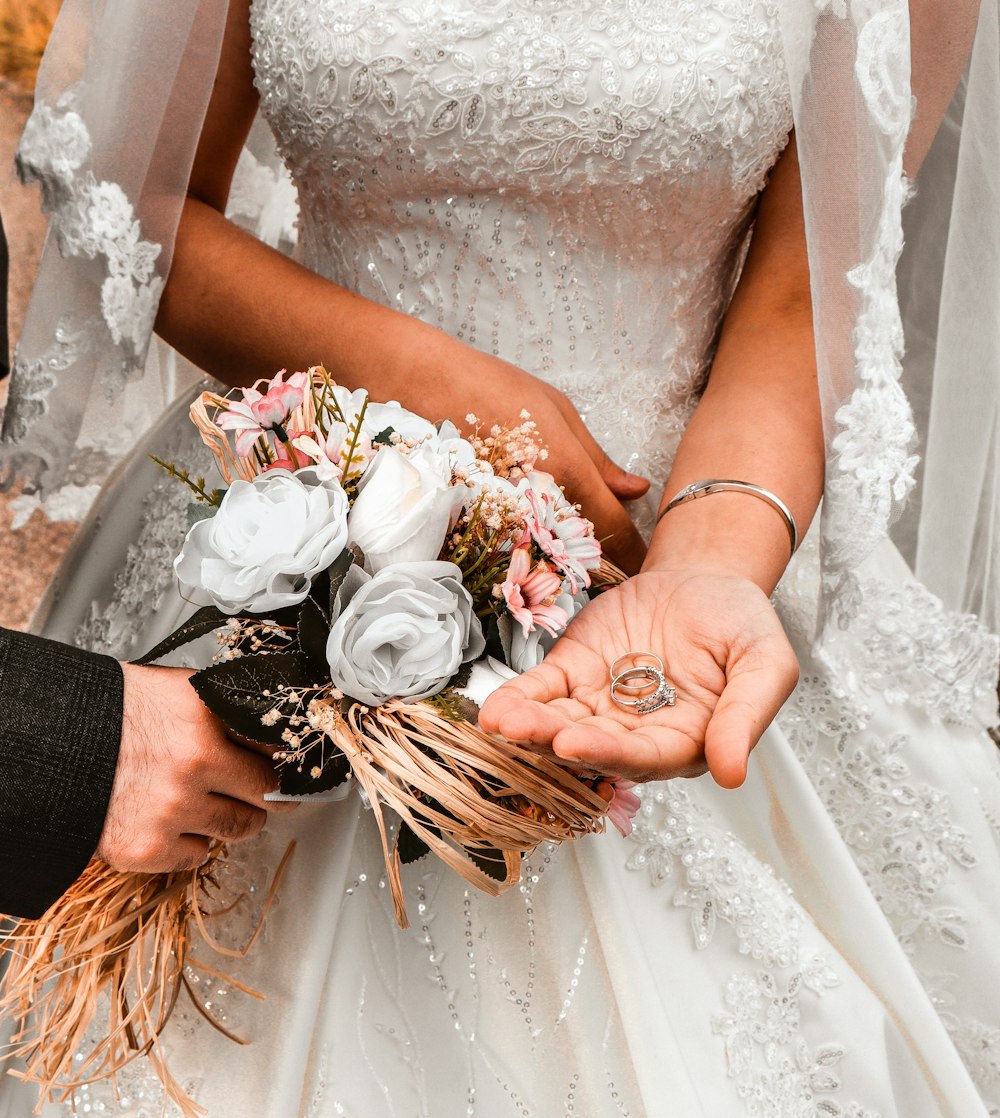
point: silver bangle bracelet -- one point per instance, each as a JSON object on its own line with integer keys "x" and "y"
{"x": 709, "y": 486}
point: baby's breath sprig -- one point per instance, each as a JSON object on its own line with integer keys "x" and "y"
{"x": 513, "y": 452}
{"x": 243, "y": 636}
{"x": 196, "y": 485}
{"x": 312, "y": 715}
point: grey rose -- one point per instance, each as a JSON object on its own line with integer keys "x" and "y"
{"x": 403, "y": 632}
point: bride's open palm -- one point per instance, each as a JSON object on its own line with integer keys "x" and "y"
{"x": 723, "y": 649}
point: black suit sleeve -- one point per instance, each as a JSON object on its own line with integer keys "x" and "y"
{"x": 60, "y": 730}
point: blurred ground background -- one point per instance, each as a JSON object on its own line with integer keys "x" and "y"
{"x": 29, "y": 556}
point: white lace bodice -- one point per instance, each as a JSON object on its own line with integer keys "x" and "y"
{"x": 566, "y": 185}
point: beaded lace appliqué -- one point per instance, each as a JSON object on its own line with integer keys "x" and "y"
{"x": 95, "y": 220}
{"x": 718, "y": 880}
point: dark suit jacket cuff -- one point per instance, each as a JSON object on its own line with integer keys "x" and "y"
{"x": 60, "y": 731}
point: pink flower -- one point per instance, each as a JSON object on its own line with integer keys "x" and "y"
{"x": 281, "y": 463}
{"x": 566, "y": 538}
{"x": 530, "y": 594}
{"x": 329, "y": 452}
{"x": 623, "y": 803}
{"x": 259, "y": 411}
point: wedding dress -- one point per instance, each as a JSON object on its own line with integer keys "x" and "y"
{"x": 570, "y": 186}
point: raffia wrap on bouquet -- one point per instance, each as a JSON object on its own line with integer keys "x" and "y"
{"x": 518, "y": 559}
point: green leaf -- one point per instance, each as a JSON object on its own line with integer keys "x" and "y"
{"x": 338, "y": 572}
{"x": 287, "y": 618}
{"x": 234, "y": 690}
{"x": 490, "y": 862}
{"x": 314, "y": 629}
{"x": 383, "y": 438}
{"x": 462, "y": 676}
{"x": 411, "y": 846}
{"x": 206, "y": 620}
{"x": 494, "y": 645}
{"x": 313, "y": 624}
{"x": 296, "y": 778}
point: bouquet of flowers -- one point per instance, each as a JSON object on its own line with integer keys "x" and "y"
{"x": 370, "y": 577}
{"x": 373, "y": 577}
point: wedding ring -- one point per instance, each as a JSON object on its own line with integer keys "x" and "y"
{"x": 646, "y": 681}
{"x": 635, "y": 656}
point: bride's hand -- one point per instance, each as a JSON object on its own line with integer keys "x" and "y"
{"x": 451, "y": 380}
{"x": 723, "y": 648}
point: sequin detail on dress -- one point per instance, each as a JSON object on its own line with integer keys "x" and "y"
{"x": 474, "y": 165}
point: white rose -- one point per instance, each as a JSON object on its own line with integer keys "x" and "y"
{"x": 381, "y": 417}
{"x": 262, "y": 548}
{"x": 402, "y": 633}
{"x": 525, "y": 651}
{"x": 448, "y": 442}
{"x": 404, "y": 508}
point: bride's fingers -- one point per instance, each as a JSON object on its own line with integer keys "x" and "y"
{"x": 625, "y": 486}
{"x": 748, "y": 705}
{"x": 654, "y": 753}
{"x": 531, "y": 709}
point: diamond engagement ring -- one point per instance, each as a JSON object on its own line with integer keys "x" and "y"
{"x": 645, "y": 681}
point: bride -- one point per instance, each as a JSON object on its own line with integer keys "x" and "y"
{"x": 592, "y": 211}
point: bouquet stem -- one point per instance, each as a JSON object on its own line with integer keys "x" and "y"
{"x": 124, "y": 938}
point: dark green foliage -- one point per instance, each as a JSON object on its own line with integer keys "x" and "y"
{"x": 337, "y": 572}
{"x": 206, "y": 620}
{"x": 314, "y": 624}
{"x": 410, "y": 845}
{"x": 490, "y": 862}
{"x": 234, "y": 691}
{"x": 295, "y": 777}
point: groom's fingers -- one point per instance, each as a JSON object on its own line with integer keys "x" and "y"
{"x": 748, "y": 705}
{"x": 180, "y": 782}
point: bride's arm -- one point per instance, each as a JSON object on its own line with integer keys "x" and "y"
{"x": 701, "y": 598}
{"x": 240, "y": 310}
{"x": 759, "y": 419}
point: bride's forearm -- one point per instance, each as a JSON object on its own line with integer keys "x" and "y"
{"x": 241, "y": 310}
{"x": 759, "y": 420}
{"x": 758, "y": 424}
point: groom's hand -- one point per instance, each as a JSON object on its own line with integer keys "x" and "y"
{"x": 180, "y": 782}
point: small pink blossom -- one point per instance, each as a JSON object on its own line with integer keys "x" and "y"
{"x": 623, "y": 803}
{"x": 329, "y": 452}
{"x": 530, "y": 594}
{"x": 281, "y": 463}
{"x": 259, "y": 411}
{"x": 566, "y": 538}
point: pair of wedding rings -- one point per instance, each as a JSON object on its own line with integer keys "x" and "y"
{"x": 639, "y": 685}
